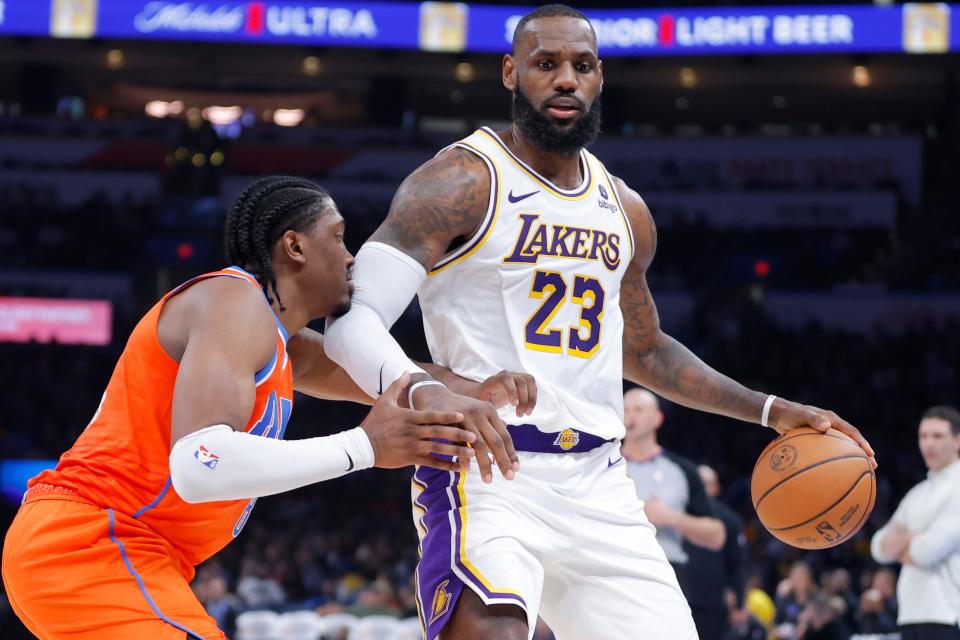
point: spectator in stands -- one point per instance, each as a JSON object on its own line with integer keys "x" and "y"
{"x": 819, "y": 620}
{"x": 924, "y": 536}
{"x": 377, "y": 598}
{"x": 219, "y": 603}
{"x": 884, "y": 581}
{"x": 675, "y": 500}
{"x": 715, "y": 579}
{"x": 257, "y": 589}
{"x": 794, "y": 594}
{"x": 872, "y": 616}
{"x": 837, "y": 584}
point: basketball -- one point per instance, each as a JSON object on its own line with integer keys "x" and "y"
{"x": 813, "y": 490}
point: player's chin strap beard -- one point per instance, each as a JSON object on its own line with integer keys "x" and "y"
{"x": 539, "y": 131}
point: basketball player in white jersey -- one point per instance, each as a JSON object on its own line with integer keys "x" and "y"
{"x": 528, "y": 256}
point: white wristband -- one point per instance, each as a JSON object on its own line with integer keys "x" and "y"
{"x": 765, "y": 416}
{"x": 417, "y": 385}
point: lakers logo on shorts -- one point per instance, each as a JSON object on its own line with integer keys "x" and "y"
{"x": 567, "y": 439}
{"x": 441, "y": 601}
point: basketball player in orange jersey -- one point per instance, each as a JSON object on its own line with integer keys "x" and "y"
{"x": 528, "y": 256}
{"x": 189, "y": 432}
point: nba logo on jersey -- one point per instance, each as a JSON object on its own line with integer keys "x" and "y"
{"x": 567, "y": 439}
{"x": 441, "y": 601}
{"x": 206, "y": 457}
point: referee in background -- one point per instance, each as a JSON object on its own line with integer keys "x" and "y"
{"x": 924, "y": 536}
{"x": 674, "y": 497}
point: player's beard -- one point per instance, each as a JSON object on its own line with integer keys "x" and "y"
{"x": 342, "y": 308}
{"x": 544, "y": 134}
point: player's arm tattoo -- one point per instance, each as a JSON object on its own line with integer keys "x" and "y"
{"x": 440, "y": 204}
{"x": 655, "y": 360}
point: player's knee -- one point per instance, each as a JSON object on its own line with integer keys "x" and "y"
{"x": 474, "y": 620}
{"x": 496, "y": 628}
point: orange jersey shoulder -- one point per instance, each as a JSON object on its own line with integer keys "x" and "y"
{"x": 121, "y": 460}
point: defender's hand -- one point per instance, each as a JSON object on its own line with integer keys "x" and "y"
{"x": 509, "y": 387}
{"x": 402, "y": 437}
{"x": 479, "y": 417}
{"x": 786, "y": 415}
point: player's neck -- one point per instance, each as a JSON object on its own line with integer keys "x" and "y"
{"x": 561, "y": 169}
{"x": 295, "y": 315}
{"x": 640, "y": 449}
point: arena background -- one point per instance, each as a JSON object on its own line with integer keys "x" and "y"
{"x": 803, "y": 175}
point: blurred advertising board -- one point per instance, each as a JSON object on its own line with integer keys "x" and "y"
{"x": 55, "y": 320}
{"x": 448, "y": 26}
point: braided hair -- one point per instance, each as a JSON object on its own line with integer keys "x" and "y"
{"x": 261, "y": 214}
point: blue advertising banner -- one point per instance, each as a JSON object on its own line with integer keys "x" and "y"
{"x": 24, "y": 18}
{"x": 445, "y": 26}
{"x": 335, "y": 24}
{"x": 819, "y": 29}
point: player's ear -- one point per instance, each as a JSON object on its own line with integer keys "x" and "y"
{"x": 509, "y": 73}
{"x": 291, "y": 246}
{"x": 600, "y": 71}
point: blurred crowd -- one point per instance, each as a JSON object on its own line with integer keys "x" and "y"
{"x": 349, "y": 545}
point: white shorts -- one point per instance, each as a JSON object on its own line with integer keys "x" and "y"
{"x": 567, "y": 540}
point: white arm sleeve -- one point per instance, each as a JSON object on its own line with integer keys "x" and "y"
{"x": 218, "y": 463}
{"x": 385, "y": 280}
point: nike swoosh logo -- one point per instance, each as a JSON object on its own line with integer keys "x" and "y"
{"x": 513, "y": 198}
{"x": 380, "y": 391}
{"x": 610, "y": 464}
{"x": 350, "y": 468}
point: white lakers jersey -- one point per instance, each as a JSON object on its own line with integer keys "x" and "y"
{"x": 537, "y": 290}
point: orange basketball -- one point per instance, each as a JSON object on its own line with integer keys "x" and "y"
{"x": 813, "y": 490}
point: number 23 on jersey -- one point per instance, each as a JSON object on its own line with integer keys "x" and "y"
{"x": 583, "y": 340}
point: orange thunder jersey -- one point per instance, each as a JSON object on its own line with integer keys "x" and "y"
{"x": 121, "y": 460}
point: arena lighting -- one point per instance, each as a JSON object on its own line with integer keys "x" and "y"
{"x": 157, "y": 109}
{"x": 688, "y": 78}
{"x": 185, "y": 250}
{"x": 162, "y": 108}
{"x": 288, "y": 117}
{"x": 861, "y": 76}
{"x": 465, "y": 72}
{"x": 115, "y": 59}
{"x": 222, "y": 115}
{"x": 217, "y": 158}
{"x": 311, "y": 66}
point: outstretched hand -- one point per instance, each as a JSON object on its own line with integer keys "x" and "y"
{"x": 508, "y": 387}
{"x": 786, "y": 415}
{"x": 403, "y": 437}
{"x": 480, "y": 418}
